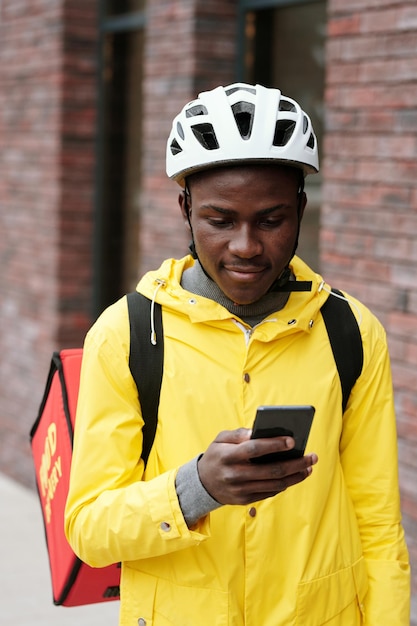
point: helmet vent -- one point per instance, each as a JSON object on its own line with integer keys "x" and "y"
{"x": 229, "y": 92}
{"x": 175, "y": 147}
{"x": 305, "y": 124}
{"x": 311, "y": 142}
{"x": 286, "y": 105}
{"x": 283, "y": 132}
{"x": 180, "y": 130}
{"x": 206, "y": 136}
{"x": 244, "y": 112}
{"x": 198, "y": 109}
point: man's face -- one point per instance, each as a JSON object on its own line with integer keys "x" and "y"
{"x": 244, "y": 221}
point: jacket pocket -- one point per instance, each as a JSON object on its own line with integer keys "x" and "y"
{"x": 322, "y": 599}
{"x": 159, "y": 602}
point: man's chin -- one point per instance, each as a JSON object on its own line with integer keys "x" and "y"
{"x": 245, "y": 299}
{"x": 245, "y": 292}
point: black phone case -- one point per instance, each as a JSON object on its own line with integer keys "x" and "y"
{"x": 280, "y": 421}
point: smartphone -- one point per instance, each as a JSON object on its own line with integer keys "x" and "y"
{"x": 278, "y": 421}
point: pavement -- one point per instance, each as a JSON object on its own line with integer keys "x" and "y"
{"x": 25, "y": 583}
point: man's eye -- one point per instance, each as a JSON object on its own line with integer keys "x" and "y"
{"x": 270, "y": 223}
{"x": 219, "y": 223}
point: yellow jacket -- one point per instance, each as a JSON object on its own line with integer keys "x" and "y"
{"x": 327, "y": 551}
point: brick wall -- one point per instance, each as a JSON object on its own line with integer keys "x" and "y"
{"x": 369, "y": 221}
{"x": 46, "y": 120}
{"x": 189, "y": 47}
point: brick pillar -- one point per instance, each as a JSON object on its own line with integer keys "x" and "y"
{"x": 78, "y": 162}
{"x": 369, "y": 221}
{"x": 190, "y": 46}
{"x": 47, "y": 82}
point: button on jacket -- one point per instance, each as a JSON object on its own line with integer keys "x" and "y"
{"x": 329, "y": 550}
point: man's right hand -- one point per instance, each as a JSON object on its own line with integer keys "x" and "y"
{"x": 229, "y": 476}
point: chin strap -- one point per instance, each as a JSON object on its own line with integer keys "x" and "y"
{"x": 293, "y": 285}
{"x": 187, "y": 195}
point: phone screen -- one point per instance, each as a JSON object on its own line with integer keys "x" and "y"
{"x": 279, "y": 421}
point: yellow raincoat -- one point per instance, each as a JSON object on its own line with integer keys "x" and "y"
{"x": 327, "y": 551}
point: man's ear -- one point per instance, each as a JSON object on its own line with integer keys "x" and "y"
{"x": 302, "y": 205}
{"x": 184, "y": 200}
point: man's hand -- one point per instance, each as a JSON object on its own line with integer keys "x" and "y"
{"x": 228, "y": 475}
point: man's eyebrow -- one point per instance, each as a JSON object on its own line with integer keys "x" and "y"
{"x": 261, "y": 212}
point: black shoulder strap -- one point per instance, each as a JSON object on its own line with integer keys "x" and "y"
{"x": 146, "y": 361}
{"x": 345, "y": 340}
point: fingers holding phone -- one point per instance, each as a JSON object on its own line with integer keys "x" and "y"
{"x": 241, "y": 467}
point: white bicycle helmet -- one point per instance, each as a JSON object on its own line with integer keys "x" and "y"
{"x": 240, "y": 122}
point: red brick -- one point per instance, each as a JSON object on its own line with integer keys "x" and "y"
{"x": 344, "y": 25}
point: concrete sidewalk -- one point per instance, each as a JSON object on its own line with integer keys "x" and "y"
{"x": 25, "y": 579}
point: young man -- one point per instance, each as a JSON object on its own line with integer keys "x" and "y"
{"x": 206, "y": 536}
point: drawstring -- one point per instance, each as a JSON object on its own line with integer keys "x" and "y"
{"x": 322, "y": 287}
{"x": 159, "y": 284}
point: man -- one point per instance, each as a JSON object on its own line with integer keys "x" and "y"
{"x": 205, "y": 535}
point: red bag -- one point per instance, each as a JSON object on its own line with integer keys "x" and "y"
{"x": 73, "y": 582}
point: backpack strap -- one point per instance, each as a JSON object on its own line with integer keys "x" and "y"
{"x": 345, "y": 340}
{"x": 146, "y": 362}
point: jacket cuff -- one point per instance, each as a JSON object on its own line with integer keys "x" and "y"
{"x": 195, "y": 501}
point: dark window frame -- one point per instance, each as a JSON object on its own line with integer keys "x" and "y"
{"x": 244, "y": 6}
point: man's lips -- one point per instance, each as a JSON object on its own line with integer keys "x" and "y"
{"x": 245, "y": 269}
{"x": 244, "y": 272}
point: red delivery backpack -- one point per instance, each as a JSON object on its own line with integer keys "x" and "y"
{"x": 73, "y": 582}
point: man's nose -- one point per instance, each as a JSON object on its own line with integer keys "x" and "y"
{"x": 245, "y": 243}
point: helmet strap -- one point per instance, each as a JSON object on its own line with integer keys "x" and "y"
{"x": 299, "y": 207}
{"x": 187, "y": 195}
